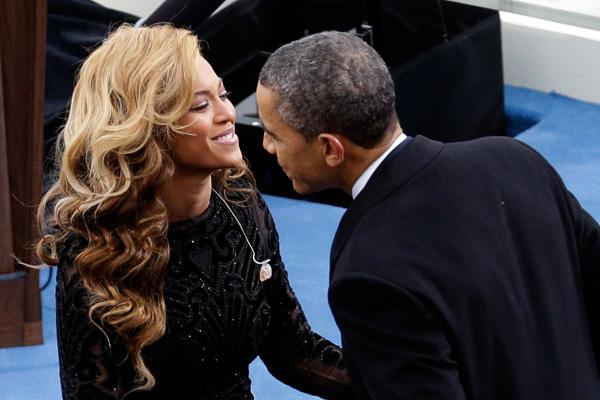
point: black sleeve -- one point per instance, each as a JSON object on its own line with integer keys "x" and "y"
{"x": 587, "y": 236}
{"x": 93, "y": 364}
{"x": 293, "y": 353}
{"x": 587, "y": 232}
{"x": 398, "y": 348}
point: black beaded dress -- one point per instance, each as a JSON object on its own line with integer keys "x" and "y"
{"x": 220, "y": 317}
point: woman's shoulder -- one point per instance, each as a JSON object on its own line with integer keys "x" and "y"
{"x": 242, "y": 191}
{"x": 69, "y": 248}
{"x": 69, "y": 285}
{"x": 74, "y": 242}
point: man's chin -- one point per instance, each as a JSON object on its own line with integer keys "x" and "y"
{"x": 305, "y": 189}
{"x": 301, "y": 188}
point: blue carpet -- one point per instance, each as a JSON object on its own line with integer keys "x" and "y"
{"x": 567, "y": 134}
{"x": 564, "y": 130}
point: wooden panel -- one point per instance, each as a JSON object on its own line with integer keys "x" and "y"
{"x": 6, "y": 262}
{"x": 22, "y": 44}
{"x": 23, "y": 36}
{"x": 11, "y": 312}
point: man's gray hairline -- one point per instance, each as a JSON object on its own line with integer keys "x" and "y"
{"x": 284, "y": 108}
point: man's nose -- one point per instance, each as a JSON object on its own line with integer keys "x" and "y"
{"x": 268, "y": 144}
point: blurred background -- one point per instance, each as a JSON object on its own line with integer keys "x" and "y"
{"x": 462, "y": 69}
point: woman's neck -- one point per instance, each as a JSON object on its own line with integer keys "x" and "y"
{"x": 186, "y": 196}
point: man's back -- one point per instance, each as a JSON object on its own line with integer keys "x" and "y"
{"x": 464, "y": 271}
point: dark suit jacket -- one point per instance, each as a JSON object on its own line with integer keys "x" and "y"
{"x": 468, "y": 271}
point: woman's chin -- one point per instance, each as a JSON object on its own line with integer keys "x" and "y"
{"x": 235, "y": 162}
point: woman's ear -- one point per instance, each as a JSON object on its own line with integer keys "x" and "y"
{"x": 332, "y": 148}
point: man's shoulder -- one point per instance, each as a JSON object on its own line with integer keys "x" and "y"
{"x": 487, "y": 145}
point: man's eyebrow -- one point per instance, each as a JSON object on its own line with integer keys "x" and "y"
{"x": 202, "y": 92}
{"x": 268, "y": 132}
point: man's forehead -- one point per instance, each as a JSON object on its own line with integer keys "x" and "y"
{"x": 267, "y": 111}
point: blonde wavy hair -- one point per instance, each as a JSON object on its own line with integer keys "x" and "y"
{"x": 112, "y": 155}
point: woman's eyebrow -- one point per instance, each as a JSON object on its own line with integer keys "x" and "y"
{"x": 205, "y": 91}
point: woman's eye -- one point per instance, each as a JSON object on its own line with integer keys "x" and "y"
{"x": 204, "y": 105}
{"x": 200, "y": 107}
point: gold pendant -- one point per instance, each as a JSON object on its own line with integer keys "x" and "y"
{"x": 265, "y": 272}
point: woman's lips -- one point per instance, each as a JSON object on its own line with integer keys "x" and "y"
{"x": 226, "y": 138}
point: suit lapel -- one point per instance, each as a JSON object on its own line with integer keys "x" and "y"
{"x": 400, "y": 166}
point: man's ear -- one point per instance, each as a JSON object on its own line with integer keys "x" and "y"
{"x": 332, "y": 149}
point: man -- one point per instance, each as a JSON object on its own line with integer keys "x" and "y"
{"x": 460, "y": 270}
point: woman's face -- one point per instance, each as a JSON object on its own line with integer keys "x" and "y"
{"x": 210, "y": 121}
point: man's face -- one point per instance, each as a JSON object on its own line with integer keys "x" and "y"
{"x": 301, "y": 161}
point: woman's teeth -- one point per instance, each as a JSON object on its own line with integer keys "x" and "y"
{"x": 229, "y": 138}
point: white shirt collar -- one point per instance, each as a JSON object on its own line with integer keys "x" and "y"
{"x": 362, "y": 180}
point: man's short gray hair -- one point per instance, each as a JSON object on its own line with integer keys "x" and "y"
{"x": 332, "y": 82}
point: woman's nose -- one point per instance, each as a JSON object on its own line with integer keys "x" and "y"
{"x": 225, "y": 111}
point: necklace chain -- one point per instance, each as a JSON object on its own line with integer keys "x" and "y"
{"x": 242, "y": 229}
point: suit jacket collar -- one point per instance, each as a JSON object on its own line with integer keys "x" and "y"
{"x": 397, "y": 169}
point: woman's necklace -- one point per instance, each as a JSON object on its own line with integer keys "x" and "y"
{"x": 265, "y": 267}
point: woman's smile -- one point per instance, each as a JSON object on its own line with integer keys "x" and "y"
{"x": 227, "y": 137}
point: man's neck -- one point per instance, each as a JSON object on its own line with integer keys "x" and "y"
{"x": 358, "y": 158}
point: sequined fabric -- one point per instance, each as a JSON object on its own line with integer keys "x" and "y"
{"x": 219, "y": 318}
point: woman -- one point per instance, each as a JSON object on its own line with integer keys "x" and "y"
{"x": 170, "y": 279}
